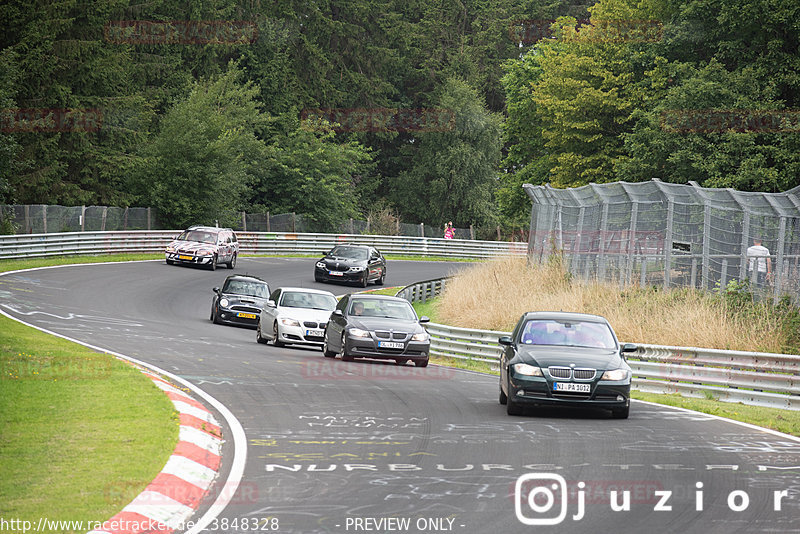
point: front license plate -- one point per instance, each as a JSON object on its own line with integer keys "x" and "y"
{"x": 315, "y": 333}
{"x": 246, "y": 315}
{"x": 572, "y": 387}
{"x": 336, "y": 273}
{"x": 390, "y": 345}
{"x": 182, "y": 257}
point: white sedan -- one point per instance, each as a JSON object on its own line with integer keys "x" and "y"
{"x": 295, "y": 315}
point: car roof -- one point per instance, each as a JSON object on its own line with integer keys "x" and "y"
{"x": 306, "y": 290}
{"x": 245, "y": 277}
{"x": 356, "y": 245}
{"x": 367, "y": 296}
{"x": 208, "y": 228}
{"x": 565, "y": 316}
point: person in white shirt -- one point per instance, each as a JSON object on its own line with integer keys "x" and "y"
{"x": 759, "y": 262}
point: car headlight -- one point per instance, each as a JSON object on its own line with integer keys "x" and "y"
{"x": 356, "y": 269}
{"x": 224, "y": 303}
{"x": 527, "y": 370}
{"x": 615, "y": 375}
{"x": 321, "y": 265}
{"x": 286, "y": 321}
{"x": 170, "y": 248}
{"x": 357, "y": 332}
{"x": 422, "y": 336}
{"x": 204, "y": 252}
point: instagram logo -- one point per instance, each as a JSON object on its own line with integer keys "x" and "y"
{"x": 535, "y": 497}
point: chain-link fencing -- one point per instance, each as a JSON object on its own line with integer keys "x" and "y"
{"x": 671, "y": 235}
{"x": 42, "y": 219}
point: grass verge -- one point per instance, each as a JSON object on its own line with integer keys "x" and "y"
{"x": 81, "y": 432}
{"x": 786, "y": 421}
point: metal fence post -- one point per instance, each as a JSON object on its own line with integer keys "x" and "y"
{"x": 745, "y": 244}
{"x": 244, "y": 222}
{"x": 27, "y": 219}
{"x": 294, "y": 222}
{"x": 148, "y": 218}
{"x": 601, "y": 270}
{"x": 422, "y": 229}
{"x": 471, "y": 232}
{"x": 83, "y": 218}
{"x": 268, "y": 222}
{"x": 777, "y": 272}
{"x": 705, "y": 265}
{"x": 125, "y": 219}
{"x": 723, "y": 278}
{"x": 103, "y": 222}
{"x": 44, "y": 217}
{"x": 631, "y": 255}
{"x": 668, "y": 243}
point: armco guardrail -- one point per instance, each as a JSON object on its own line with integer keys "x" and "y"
{"x": 755, "y": 378}
{"x": 59, "y": 244}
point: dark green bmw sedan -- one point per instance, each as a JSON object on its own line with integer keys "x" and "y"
{"x": 564, "y": 359}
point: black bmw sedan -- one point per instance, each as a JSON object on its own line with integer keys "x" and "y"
{"x": 376, "y": 326}
{"x": 239, "y": 301}
{"x": 564, "y": 359}
{"x": 351, "y": 263}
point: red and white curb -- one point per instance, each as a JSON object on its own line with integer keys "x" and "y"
{"x": 168, "y": 502}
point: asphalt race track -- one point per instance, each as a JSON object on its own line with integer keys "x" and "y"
{"x": 365, "y": 446}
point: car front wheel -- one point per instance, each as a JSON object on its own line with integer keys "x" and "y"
{"x": 621, "y": 413}
{"x": 275, "y": 339}
{"x": 503, "y": 397}
{"x": 231, "y": 264}
{"x": 345, "y": 357}
{"x": 259, "y": 337}
{"x": 213, "y": 265}
{"x": 326, "y": 350}
{"x": 512, "y": 408}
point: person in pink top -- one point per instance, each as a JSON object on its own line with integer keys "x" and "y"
{"x": 449, "y": 232}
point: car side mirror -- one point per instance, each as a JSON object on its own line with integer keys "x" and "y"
{"x": 338, "y": 313}
{"x": 505, "y": 340}
{"x": 216, "y": 290}
{"x": 630, "y": 347}
{"x": 271, "y": 304}
{"x": 424, "y": 319}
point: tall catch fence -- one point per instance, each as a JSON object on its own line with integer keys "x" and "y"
{"x": 44, "y": 219}
{"x": 670, "y": 235}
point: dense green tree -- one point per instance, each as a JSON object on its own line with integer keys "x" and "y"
{"x": 306, "y": 170}
{"x": 206, "y": 154}
{"x": 454, "y": 170}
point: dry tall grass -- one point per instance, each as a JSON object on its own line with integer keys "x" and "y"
{"x": 493, "y": 296}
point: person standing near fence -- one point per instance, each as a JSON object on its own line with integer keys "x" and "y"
{"x": 449, "y": 232}
{"x": 760, "y": 262}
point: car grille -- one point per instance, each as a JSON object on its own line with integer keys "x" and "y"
{"x": 397, "y": 336}
{"x": 247, "y": 309}
{"x": 584, "y": 374}
{"x": 560, "y": 372}
{"x": 311, "y": 324}
{"x": 567, "y": 373}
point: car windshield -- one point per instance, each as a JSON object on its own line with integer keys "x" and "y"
{"x": 350, "y": 253}
{"x": 383, "y": 308}
{"x": 200, "y": 236}
{"x": 567, "y": 333}
{"x": 246, "y": 287}
{"x": 316, "y": 301}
